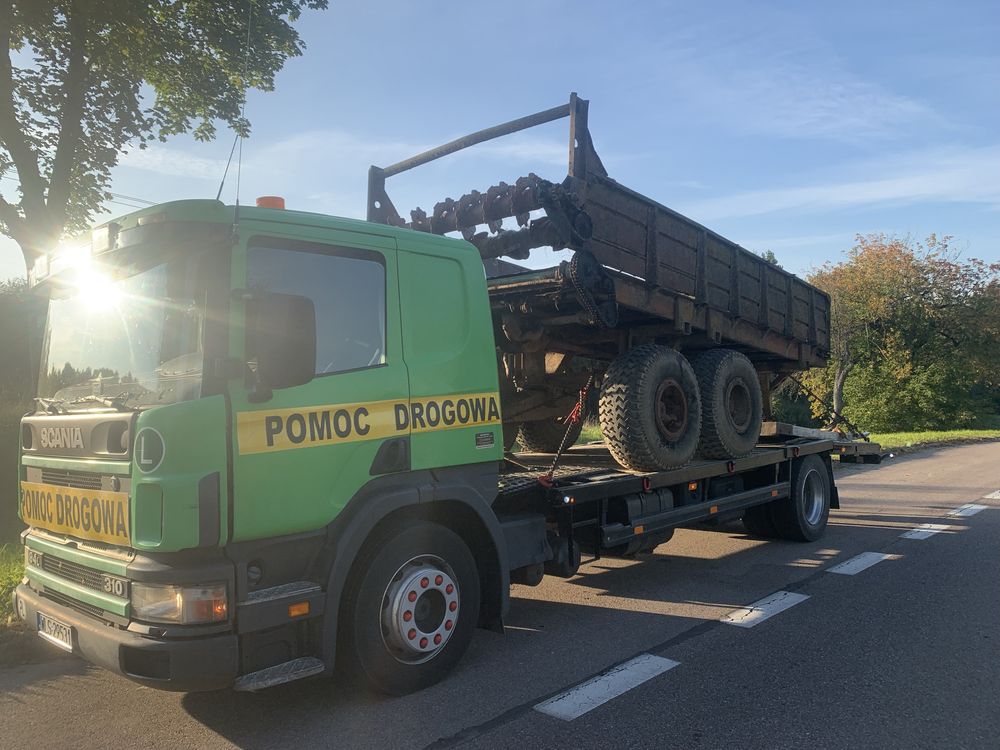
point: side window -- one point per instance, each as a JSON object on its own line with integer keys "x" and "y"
{"x": 347, "y": 288}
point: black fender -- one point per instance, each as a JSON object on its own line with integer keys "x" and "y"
{"x": 420, "y": 493}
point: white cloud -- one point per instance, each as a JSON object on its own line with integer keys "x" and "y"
{"x": 793, "y": 101}
{"x": 774, "y": 76}
{"x": 170, "y": 161}
{"x": 954, "y": 175}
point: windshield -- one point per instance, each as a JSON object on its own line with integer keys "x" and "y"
{"x": 132, "y": 341}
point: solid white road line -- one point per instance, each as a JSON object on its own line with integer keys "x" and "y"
{"x": 969, "y": 509}
{"x": 862, "y": 562}
{"x": 925, "y": 530}
{"x": 992, "y": 496}
{"x": 756, "y": 613}
{"x": 589, "y": 695}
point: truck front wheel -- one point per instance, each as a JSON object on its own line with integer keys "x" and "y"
{"x": 650, "y": 410}
{"x": 410, "y": 609}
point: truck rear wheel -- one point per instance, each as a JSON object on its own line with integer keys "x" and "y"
{"x": 803, "y": 515}
{"x": 731, "y": 404}
{"x": 410, "y": 609}
{"x": 546, "y": 435}
{"x": 650, "y": 410}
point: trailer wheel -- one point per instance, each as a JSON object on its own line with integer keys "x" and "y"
{"x": 731, "y": 404}
{"x": 510, "y": 432}
{"x": 545, "y": 435}
{"x": 410, "y": 610}
{"x": 650, "y": 410}
{"x": 757, "y": 520}
{"x": 802, "y": 516}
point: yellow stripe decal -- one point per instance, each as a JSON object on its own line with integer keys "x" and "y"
{"x": 286, "y": 429}
{"x": 86, "y": 514}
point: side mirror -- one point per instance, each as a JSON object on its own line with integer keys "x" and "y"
{"x": 281, "y": 336}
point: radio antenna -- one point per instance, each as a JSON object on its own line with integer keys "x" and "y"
{"x": 238, "y": 139}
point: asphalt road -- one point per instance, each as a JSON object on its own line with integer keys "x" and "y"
{"x": 905, "y": 653}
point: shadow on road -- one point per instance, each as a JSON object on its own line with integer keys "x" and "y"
{"x": 614, "y": 606}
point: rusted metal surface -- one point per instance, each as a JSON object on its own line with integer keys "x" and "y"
{"x": 668, "y": 277}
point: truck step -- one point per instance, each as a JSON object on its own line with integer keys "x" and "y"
{"x": 296, "y": 669}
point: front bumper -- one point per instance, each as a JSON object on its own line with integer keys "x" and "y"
{"x": 189, "y": 664}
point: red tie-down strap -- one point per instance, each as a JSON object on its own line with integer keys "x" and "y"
{"x": 573, "y": 418}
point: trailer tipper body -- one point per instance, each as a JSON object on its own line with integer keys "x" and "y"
{"x": 269, "y": 443}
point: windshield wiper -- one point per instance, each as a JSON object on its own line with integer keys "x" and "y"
{"x": 51, "y": 405}
{"x": 115, "y": 402}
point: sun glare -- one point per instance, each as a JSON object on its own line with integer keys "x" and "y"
{"x": 98, "y": 289}
{"x": 92, "y": 283}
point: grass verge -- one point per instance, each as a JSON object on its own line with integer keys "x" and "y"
{"x": 591, "y": 433}
{"x": 931, "y": 437}
{"x": 11, "y": 571}
{"x": 891, "y": 440}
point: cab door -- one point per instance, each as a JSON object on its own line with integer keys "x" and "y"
{"x": 300, "y": 455}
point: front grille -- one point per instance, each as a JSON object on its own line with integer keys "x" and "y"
{"x": 81, "y": 574}
{"x": 80, "y": 480}
{"x": 87, "y": 609}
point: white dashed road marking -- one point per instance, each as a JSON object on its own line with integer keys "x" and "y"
{"x": 756, "y": 613}
{"x": 588, "y": 695}
{"x": 925, "y": 530}
{"x": 862, "y": 562}
{"x": 969, "y": 509}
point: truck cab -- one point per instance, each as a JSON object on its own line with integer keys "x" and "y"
{"x": 238, "y": 407}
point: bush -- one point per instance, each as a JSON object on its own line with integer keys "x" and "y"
{"x": 793, "y": 408}
{"x": 935, "y": 397}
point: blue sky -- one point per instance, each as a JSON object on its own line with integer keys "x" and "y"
{"x": 788, "y": 126}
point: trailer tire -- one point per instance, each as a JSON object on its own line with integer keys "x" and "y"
{"x": 757, "y": 521}
{"x": 381, "y": 645}
{"x": 510, "y": 435}
{"x": 802, "y": 516}
{"x": 546, "y": 435}
{"x": 650, "y": 410}
{"x": 731, "y": 404}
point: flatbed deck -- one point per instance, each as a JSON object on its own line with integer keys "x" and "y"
{"x": 849, "y": 451}
{"x": 606, "y": 507}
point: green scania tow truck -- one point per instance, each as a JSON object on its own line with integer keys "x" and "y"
{"x": 269, "y": 444}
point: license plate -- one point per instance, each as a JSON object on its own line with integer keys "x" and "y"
{"x": 55, "y": 632}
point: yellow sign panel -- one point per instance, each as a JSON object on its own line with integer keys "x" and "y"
{"x": 285, "y": 429}
{"x": 86, "y": 514}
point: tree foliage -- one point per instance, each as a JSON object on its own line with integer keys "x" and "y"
{"x": 18, "y": 309}
{"x": 770, "y": 257}
{"x": 82, "y": 79}
{"x": 914, "y": 334}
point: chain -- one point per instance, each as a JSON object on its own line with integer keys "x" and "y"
{"x": 571, "y": 420}
{"x": 583, "y": 294}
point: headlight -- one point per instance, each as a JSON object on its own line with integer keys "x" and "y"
{"x": 187, "y": 605}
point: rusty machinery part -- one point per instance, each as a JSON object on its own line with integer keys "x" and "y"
{"x": 564, "y": 225}
{"x": 526, "y": 334}
{"x": 834, "y": 419}
{"x": 587, "y": 277}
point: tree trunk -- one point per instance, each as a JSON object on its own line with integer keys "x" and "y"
{"x": 843, "y": 370}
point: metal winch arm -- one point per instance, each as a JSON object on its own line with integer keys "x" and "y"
{"x": 565, "y": 224}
